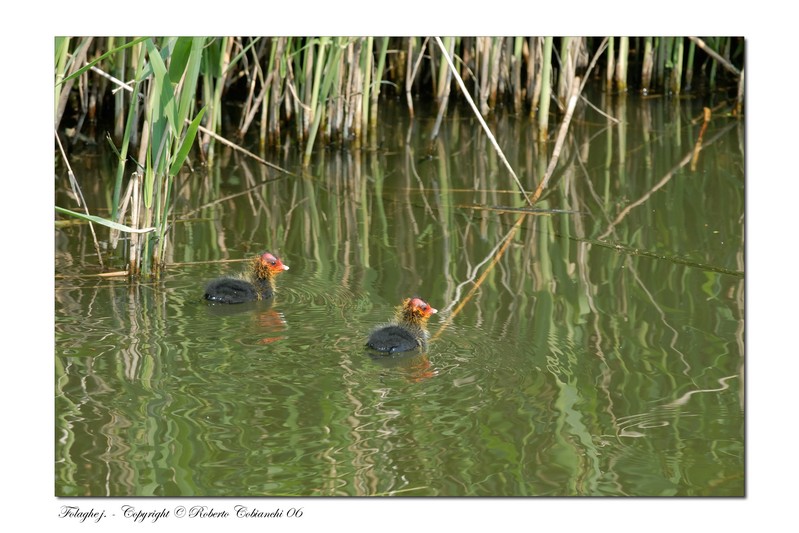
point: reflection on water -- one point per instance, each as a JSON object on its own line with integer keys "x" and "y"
{"x": 596, "y": 351}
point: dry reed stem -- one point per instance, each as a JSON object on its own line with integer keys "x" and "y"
{"x": 740, "y": 103}
{"x": 621, "y": 64}
{"x": 481, "y": 63}
{"x": 133, "y": 257}
{"x": 493, "y": 85}
{"x": 698, "y": 145}
{"x": 665, "y": 179}
{"x": 496, "y": 256}
{"x": 536, "y": 51}
{"x": 715, "y": 55}
{"x": 443, "y": 94}
{"x": 247, "y": 191}
{"x": 242, "y": 150}
{"x": 648, "y": 66}
{"x": 611, "y": 64}
{"x": 600, "y": 49}
{"x": 66, "y": 88}
{"x": 123, "y": 210}
{"x": 79, "y": 194}
{"x": 111, "y": 78}
{"x": 255, "y": 106}
{"x": 490, "y": 135}
{"x": 412, "y": 72}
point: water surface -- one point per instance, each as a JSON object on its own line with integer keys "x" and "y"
{"x": 595, "y": 348}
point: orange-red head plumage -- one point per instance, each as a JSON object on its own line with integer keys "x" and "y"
{"x": 267, "y": 265}
{"x": 415, "y": 311}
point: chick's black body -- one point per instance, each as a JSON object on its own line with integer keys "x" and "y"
{"x": 233, "y": 291}
{"x": 256, "y": 284}
{"x": 395, "y": 338}
{"x": 406, "y": 332}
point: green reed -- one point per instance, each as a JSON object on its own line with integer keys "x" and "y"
{"x": 280, "y": 79}
{"x": 677, "y": 65}
{"x": 647, "y": 65}
{"x": 610, "y": 69}
{"x": 543, "y": 106}
{"x": 622, "y": 63}
{"x": 321, "y": 90}
{"x": 170, "y": 92}
{"x": 168, "y": 71}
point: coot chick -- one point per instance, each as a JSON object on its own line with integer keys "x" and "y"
{"x": 407, "y": 331}
{"x": 255, "y": 284}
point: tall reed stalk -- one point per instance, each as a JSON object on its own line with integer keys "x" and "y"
{"x": 445, "y": 76}
{"x": 534, "y": 67}
{"x": 621, "y": 64}
{"x": 377, "y": 81}
{"x": 648, "y": 65}
{"x": 566, "y": 70}
{"x": 495, "y": 74}
{"x": 689, "y": 70}
{"x": 676, "y": 71}
{"x": 546, "y": 88}
{"x": 516, "y": 67}
{"x": 610, "y": 71}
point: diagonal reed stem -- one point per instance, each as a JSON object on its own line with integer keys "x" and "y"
{"x": 490, "y": 135}
{"x": 495, "y": 255}
{"x": 74, "y": 183}
{"x": 715, "y": 55}
{"x": 564, "y": 127}
{"x": 663, "y": 181}
{"x": 242, "y": 150}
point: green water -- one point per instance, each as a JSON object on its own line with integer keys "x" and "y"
{"x": 602, "y": 353}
